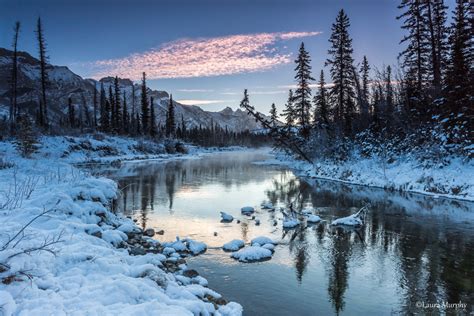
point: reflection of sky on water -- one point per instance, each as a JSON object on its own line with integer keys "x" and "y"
{"x": 412, "y": 248}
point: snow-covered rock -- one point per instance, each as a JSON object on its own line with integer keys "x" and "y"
{"x": 267, "y": 206}
{"x": 233, "y": 245}
{"x": 226, "y": 217}
{"x": 262, "y": 240}
{"x": 247, "y": 210}
{"x": 196, "y": 247}
{"x": 290, "y": 222}
{"x": 270, "y": 247}
{"x": 313, "y": 218}
{"x": 351, "y": 220}
{"x": 252, "y": 253}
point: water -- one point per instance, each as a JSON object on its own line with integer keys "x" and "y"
{"x": 413, "y": 249}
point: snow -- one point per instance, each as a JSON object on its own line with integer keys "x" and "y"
{"x": 313, "y": 218}
{"x": 196, "y": 247}
{"x": 262, "y": 240}
{"x": 267, "y": 206}
{"x": 290, "y": 222}
{"x": 177, "y": 245}
{"x": 252, "y": 253}
{"x": 405, "y": 173}
{"x": 270, "y": 247}
{"x": 233, "y": 245}
{"x": 351, "y": 220}
{"x": 226, "y": 217}
{"x": 88, "y": 274}
{"x": 247, "y": 210}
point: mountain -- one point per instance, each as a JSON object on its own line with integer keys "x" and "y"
{"x": 63, "y": 83}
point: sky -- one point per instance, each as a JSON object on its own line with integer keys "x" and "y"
{"x": 203, "y": 52}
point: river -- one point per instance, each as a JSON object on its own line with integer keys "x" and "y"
{"x": 413, "y": 250}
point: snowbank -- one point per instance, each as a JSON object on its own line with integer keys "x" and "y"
{"x": 86, "y": 263}
{"x": 402, "y": 173}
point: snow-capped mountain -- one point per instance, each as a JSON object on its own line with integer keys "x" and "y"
{"x": 63, "y": 83}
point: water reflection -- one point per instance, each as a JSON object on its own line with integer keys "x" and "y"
{"x": 412, "y": 248}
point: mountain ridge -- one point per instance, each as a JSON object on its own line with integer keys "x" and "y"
{"x": 64, "y": 83}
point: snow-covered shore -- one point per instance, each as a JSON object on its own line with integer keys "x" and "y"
{"x": 84, "y": 265}
{"x": 404, "y": 174}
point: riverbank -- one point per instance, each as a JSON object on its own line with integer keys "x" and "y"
{"x": 62, "y": 249}
{"x": 404, "y": 174}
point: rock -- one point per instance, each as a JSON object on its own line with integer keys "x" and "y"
{"x": 190, "y": 273}
{"x": 238, "y": 221}
{"x": 215, "y": 233}
{"x": 160, "y": 232}
{"x": 97, "y": 234}
{"x": 137, "y": 251}
{"x": 150, "y": 232}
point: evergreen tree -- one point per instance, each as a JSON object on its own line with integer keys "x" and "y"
{"x": 113, "y": 114}
{"x": 183, "y": 127}
{"x": 14, "y": 83}
{"x": 153, "y": 130}
{"x": 302, "y": 96}
{"x": 170, "y": 121}
{"x": 273, "y": 115}
{"x": 342, "y": 71}
{"x": 288, "y": 112}
{"x": 118, "y": 113}
{"x": 71, "y": 113}
{"x": 43, "y": 112}
{"x": 364, "y": 70}
{"x": 125, "y": 118}
{"x": 26, "y": 141}
{"x": 95, "y": 105}
{"x": 321, "y": 109}
{"x": 145, "y": 117}
{"x": 389, "y": 107}
{"x": 133, "y": 120}
{"x": 415, "y": 57}
{"x": 460, "y": 76}
{"x": 104, "y": 111}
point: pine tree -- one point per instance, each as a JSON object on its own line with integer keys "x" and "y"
{"x": 145, "y": 117}
{"x": 342, "y": 71}
{"x": 113, "y": 114}
{"x": 26, "y": 141}
{"x": 364, "y": 70}
{"x": 460, "y": 76}
{"x": 95, "y": 105}
{"x": 104, "y": 111}
{"x": 170, "y": 121}
{"x": 273, "y": 115}
{"x": 43, "y": 114}
{"x": 321, "y": 109}
{"x": 133, "y": 120}
{"x": 14, "y": 105}
{"x": 118, "y": 113}
{"x": 389, "y": 107}
{"x": 288, "y": 112}
{"x": 125, "y": 119}
{"x": 183, "y": 127}
{"x": 71, "y": 113}
{"x": 153, "y": 130}
{"x": 415, "y": 57}
{"x": 302, "y": 96}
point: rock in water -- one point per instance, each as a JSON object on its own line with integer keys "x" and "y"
{"x": 233, "y": 245}
{"x": 226, "y": 217}
{"x": 247, "y": 210}
{"x": 252, "y": 253}
{"x": 150, "y": 232}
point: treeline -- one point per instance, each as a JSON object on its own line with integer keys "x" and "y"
{"x": 428, "y": 99}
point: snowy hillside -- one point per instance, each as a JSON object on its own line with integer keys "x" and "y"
{"x": 63, "y": 83}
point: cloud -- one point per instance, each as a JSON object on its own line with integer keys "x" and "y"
{"x": 201, "y": 57}
{"x": 203, "y": 102}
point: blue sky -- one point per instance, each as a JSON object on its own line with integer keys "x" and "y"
{"x": 207, "y": 51}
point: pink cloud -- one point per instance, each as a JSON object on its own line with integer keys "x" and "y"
{"x": 202, "y": 57}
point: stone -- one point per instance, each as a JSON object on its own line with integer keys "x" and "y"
{"x": 160, "y": 232}
{"x": 137, "y": 251}
{"x": 150, "y": 232}
{"x": 190, "y": 273}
